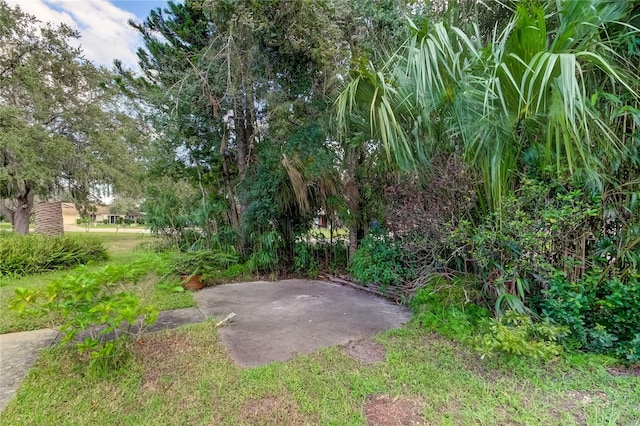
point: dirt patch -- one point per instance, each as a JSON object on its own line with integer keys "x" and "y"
{"x": 162, "y": 354}
{"x": 366, "y": 350}
{"x": 382, "y": 410}
{"x": 573, "y": 404}
{"x": 629, "y": 371}
{"x": 272, "y": 410}
{"x": 586, "y": 398}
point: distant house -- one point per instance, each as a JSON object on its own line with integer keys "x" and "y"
{"x": 101, "y": 213}
{"x": 70, "y": 214}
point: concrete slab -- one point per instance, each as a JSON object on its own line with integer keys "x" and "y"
{"x": 177, "y": 317}
{"x": 275, "y": 321}
{"x": 18, "y": 352}
{"x": 166, "y": 320}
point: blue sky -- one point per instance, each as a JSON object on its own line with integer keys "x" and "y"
{"x": 140, "y": 8}
{"x": 105, "y": 33}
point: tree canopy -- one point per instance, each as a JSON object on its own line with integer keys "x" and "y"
{"x": 63, "y": 124}
{"x": 244, "y": 92}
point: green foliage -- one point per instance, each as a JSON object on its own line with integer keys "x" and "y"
{"x": 516, "y": 248}
{"x": 285, "y": 189}
{"x": 321, "y": 254}
{"x": 495, "y": 95}
{"x": 238, "y": 272}
{"x": 32, "y": 254}
{"x": 211, "y": 264}
{"x": 379, "y": 259}
{"x": 61, "y": 119}
{"x": 516, "y": 334}
{"x": 601, "y": 312}
{"x": 267, "y": 252}
{"x": 99, "y": 313}
{"x": 305, "y": 262}
{"x": 177, "y": 213}
{"x": 446, "y": 307}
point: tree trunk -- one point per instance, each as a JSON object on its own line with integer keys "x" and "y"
{"x": 22, "y": 213}
{"x": 352, "y": 194}
{"x": 353, "y": 240}
{"x": 233, "y": 208}
{"x": 6, "y": 211}
{"x": 244, "y": 131}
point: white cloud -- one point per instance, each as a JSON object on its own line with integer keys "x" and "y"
{"x": 105, "y": 32}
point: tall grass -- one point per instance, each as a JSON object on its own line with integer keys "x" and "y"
{"x": 22, "y": 255}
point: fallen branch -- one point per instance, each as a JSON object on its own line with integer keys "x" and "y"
{"x": 371, "y": 288}
{"x": 226, "y": 319}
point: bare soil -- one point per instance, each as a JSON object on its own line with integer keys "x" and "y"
{"x": 574, "y": 402}
{"x": 366, "y": 351}
{"x": 272, "y": 410}
{"x": 383, "y": 410}
{"x": 628, "y": 371}
{"x": 156, "y": 352}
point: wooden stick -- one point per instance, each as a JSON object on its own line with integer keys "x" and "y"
{"x": 227, "y": 319}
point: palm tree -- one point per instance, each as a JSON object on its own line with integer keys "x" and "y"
{"x": 532, "y": 86}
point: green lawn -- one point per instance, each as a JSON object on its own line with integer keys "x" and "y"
{"x": 325, "y": 233}
{"x": 122, "y": 248}
{"x": 185, "y": 377}
{"x": 98, "y": 226}
{"x": 6, "y": 226}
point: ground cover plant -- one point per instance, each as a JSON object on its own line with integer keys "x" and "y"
{"x": 25, "y": 255}
{"x": 184, "y": 376}
{"x": 156, "y": 287}
{"x": 95, "y": 306}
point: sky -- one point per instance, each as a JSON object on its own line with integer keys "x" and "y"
{"x": 105, "y": 33}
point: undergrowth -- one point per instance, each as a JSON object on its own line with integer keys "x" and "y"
{"x": 33, "y": 254}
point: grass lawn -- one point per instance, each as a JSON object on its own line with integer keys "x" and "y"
{"x": 325, "y": 233}
{"x": 185, "y": 377}
{"x": 6, "y": 226}
{"x": 99, "y": 226}
{"x": 123, "y": 248}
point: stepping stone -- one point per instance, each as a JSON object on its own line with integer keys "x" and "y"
{"x": 18, "y": 352}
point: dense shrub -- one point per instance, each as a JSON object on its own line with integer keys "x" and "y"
{"x": 31, "y": 254}
{"x": 321, "y": 254}
{"x": 211, "y": 264}
{"x": 564, "y": 254}
{"x": 448, "y": 307}
{"x": 516, "y": 250}
{"x": 517, "y": 334}
{"x": 183, "y": 220}
{"x": 96, "y": 308}
{"x": 305, "y": 261}
{"x": 602, "y": 313}
{"x": 380, "y": 259}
